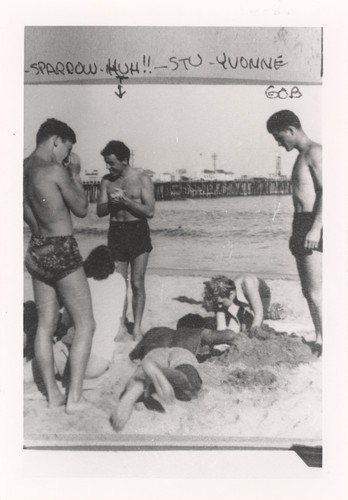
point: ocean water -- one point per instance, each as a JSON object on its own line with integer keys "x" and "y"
{"x": 209, "y": 236}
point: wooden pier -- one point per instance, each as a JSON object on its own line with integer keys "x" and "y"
{"x": 182, "y": 190}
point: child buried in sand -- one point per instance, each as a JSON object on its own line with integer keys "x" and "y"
{"x": 169, "y": 366}
{"x": 108, "y": 291}
{"x": 245, "y": 301}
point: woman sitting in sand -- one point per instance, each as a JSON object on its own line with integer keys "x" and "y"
{"x": 108, "y": 292}
{"x": 246, "y": 301}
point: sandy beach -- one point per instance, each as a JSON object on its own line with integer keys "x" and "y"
{"x": 262, "y": 389}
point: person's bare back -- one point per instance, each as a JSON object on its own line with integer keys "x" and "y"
{"x": 50, "y": 194}
{"x": 43, "y": 197}
{"x": 53, "y": 188}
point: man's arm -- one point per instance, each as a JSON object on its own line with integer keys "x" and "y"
{"x": 146, "y": 208}
{"x": 315, "y": 165}
{"x": 103, "y": 207}
{"x": 214, "y": 337}
{"x": 251, "y": 290}
{"x": 70, "y": 185}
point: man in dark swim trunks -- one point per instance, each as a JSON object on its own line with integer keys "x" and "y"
{"x": 306, "y": 242}
{"x": 128, "y": 196}
{"x": 53, "y": 189}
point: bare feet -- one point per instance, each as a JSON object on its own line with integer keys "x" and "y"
{"x": 137, "y": 334}
{"x": 75, "y": 406}
{"x": 56, "y": 399}
{"x": 315, "y": 346}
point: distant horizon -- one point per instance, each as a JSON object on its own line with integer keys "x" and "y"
{"x": 171, "y": 127}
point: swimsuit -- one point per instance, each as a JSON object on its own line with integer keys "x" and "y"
{"x": 52, "y": 258}
{"x": 186, "y": 338}
{"x": 301, "y": 225}
{"x": 129, "y": 239}
{"x": 179, "y": 366}
{"x": 108, "y": 296}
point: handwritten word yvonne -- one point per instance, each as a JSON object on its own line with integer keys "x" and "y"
{"x": 250, "y": 62}
{"x": 116, "y": 67}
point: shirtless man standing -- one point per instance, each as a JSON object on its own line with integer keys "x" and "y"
{"x": 53, "y": 189}
{"x": 128, "y": 196}
{"x": 306, "y": 242}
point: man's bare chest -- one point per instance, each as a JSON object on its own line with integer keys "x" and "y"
{"x": 301, "y": 173}
{"x": 130, "y": 187}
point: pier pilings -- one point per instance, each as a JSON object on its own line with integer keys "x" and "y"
{"x": 207, "y": 189}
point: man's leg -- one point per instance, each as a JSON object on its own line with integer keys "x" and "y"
{"x": 48, "y": 314}
{"x": 138, "y": 269}
{"x": 122, "y": 268}
{"x": 75, "y": 294}
{"x": 310, "y": 272}
{"x": 265, "y": 295}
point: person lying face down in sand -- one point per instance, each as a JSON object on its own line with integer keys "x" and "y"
{"x": 246, "y": 301}
{"x": 169, "y": 366}
{"x": 108, "y": 291}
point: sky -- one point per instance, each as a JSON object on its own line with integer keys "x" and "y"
{"x": 169, "y": 127}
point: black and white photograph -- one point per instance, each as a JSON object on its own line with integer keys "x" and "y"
{"x": 173, "y": 236}
{"x": 171, "y": 321}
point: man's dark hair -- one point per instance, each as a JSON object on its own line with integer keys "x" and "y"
{"x": 117, "y": 148}
{"x": 54, "y": 127}
{"x": 99, "y": 263}
{"x": 191, "y": 321}
{"x": 281, "y": 120}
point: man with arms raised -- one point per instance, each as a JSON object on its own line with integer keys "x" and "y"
{"x": 128, "y": 196}
{"x": 306, "y": 242}
{"x": 53, "y": 189}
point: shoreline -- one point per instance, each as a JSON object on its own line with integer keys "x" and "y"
{"x": 208, "y": 273}
{"x": 161, "y": 272}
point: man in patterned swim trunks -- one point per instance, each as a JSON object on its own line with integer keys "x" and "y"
{"x": 52, "y": 190}
{"x": 306, "y": 242}
{"x": 128, "y": 196}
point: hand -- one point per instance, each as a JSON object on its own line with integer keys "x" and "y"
{"x": 312, "y": 238}
{"x": 117, "y": 196}
{"x": 258, "y": 332}
{"x": 228, "y": 336}
{"x": 73, "y": 164}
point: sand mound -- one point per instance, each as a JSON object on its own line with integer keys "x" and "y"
{"x": 248, "y": 378}
{"x": 277, "y": 349}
